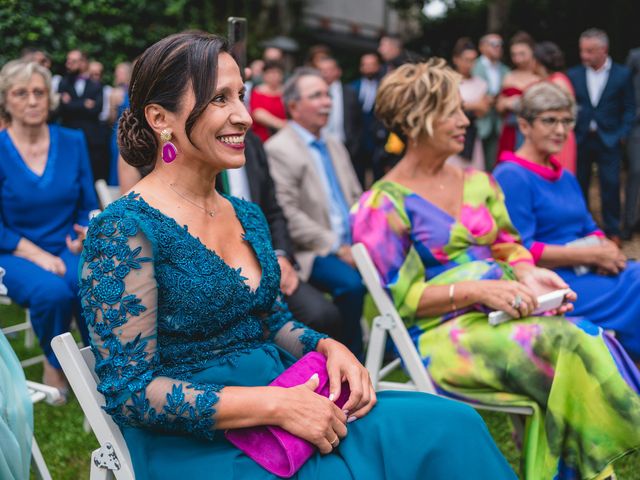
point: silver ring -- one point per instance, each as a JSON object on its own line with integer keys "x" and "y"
{"x": 517, "y": 302}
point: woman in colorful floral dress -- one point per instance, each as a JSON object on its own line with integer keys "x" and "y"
{"x": 443, "y": 243}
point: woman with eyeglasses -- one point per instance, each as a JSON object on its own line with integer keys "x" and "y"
{"x": 46, "y": 194}
{"x": 546, "y": 206}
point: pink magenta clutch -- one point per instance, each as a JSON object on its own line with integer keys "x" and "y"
{"x": 273, "y": 448}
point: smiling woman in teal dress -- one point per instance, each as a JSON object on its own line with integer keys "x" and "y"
{"x": 179, "y": 287}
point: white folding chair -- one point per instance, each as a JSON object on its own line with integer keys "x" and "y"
{"x": 389, "y": 323}
{"x": 112, "y": 459}
{"x": 39, "y": 392}
{"x": 27, "y": 328}
{"x": 106, "y": 193}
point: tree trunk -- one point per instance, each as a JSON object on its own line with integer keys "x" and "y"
{"x": 497, "y": 15}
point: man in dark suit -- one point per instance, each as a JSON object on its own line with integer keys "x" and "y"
{"x": 371, "y": 150}
{"x": 80, "y": 107}
{"x": 606, "y": 112}
{"x": 345, "y": 121}
{"x": 253, "y": 182}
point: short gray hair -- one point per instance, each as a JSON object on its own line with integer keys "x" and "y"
{"x": 598, "y": 34}
{"x": 543, "y": 97}
{"x": 21, "y": 71}
{"x": 290, "y": 91}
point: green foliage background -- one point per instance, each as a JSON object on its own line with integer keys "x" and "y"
{"x": 116, "y": 30}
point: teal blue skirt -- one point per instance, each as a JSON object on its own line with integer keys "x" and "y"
{"x": 406, "y": 436}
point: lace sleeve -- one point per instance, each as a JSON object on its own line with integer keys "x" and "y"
{"x": 119, "y": 301}
{"x": 293, "y": 336}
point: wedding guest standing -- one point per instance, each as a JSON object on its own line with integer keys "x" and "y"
{"x": 489, "y": 67}
{"x": 606, "y": 112}
{"x": 46, "y": 194}
{"x": 515, "y": 83}
{"x": 475, "y": 102}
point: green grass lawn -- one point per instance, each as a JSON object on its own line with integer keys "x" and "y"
{"x": 67, "y": 448}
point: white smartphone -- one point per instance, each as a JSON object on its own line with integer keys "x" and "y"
{"x": 546, "y": 302}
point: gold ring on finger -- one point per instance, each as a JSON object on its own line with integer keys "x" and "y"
{"x": 335, "y": 442}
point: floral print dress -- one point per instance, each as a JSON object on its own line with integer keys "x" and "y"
{"x": 582, "y": 386}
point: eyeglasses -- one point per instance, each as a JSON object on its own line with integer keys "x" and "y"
{"x": 494, "y": 43}
{"x": 552, "y": 122}
{"x": 22, "y": 94}
{"x": 317, "y": 95}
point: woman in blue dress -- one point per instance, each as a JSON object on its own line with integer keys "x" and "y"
{"x": 46, "y": 194}
{"x": 546, "y": 205}
{"x": 179, "y": 287}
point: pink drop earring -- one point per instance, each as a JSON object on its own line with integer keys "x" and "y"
{"x": 169, "y": 150}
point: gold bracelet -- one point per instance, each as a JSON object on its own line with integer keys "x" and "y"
{"x": 452, "y": 291}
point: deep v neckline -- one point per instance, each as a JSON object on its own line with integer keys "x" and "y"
{"x": 453, "y": 218}
{"x": 246, "y": 235}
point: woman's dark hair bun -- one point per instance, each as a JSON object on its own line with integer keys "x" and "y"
{"x": 137, "y": 144}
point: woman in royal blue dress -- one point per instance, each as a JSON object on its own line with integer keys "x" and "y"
{"x": 46, "y": 195}
{"x": 179, "y": 286}
{"x": 546, "y": 205}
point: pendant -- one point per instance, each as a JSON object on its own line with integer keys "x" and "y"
{"x": 212, "y": 214}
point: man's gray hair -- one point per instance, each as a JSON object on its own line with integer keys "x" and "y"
{"x": 543, "y": 97}
{"x": 290, "y": 91}
{"x": 598, "y": 34}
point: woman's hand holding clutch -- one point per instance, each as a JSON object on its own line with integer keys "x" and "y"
{"x": 312, "y": 417}
{"x": 342, "y": 365}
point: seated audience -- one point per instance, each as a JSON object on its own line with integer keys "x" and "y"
{"x": 546, "y": 206}
{"x": 266, "y": 105}
{"x": 180, "y": 288}
{"x": 46, "y": 194}
{"x": 315, "y": 186}
{"x": 550, "y": 67}
{"x": 441, "y": 238}
{"x": 475, "y": 102}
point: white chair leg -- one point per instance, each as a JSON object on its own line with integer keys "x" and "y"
{"x": 29, "y": 336}
{"x": 375, "y": 350}
{"x": 37, "y": 460}
{"x": 86, "y": 426}
{"x": 97, "y": 472}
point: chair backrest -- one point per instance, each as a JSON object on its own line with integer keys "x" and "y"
{"x": 393, "y": 325}
{"x": 78, "y": 365}
{"x": 106, "y": 194}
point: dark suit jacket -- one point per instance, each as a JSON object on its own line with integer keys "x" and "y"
{"x": 615, "y": 112}
{"x": 352, "y": 119}
{"x": 75, "y": 115}
{"x": 263, "y": 193}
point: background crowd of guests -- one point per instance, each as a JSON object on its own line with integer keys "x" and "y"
{"x": 450, "y": 240}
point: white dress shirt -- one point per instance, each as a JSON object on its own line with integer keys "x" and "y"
{"x": 596, "y": 81}
{"x": 367, "y": 95}
{"x": 335, "y": 124}
{"x": 239, "y": 183}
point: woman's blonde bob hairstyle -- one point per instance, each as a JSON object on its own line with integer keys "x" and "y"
{"x": 415, "y": 96}
{"x": 21, "y": 71}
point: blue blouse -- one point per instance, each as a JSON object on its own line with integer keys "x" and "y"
{"x": 161, "y": 306}
{"x": 44, "y": 208}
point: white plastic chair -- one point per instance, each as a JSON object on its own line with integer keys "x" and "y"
{"x": 106, "y": 193}
{"x": 112, "y": 459}
{"x": 388, "y": 322}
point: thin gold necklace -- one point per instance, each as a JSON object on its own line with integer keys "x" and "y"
{"x": 211, "y": 213}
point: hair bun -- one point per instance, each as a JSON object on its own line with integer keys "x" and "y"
{"x": 136, "y": 141}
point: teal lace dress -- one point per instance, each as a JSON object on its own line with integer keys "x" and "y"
{"x": 171, "y": 325}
